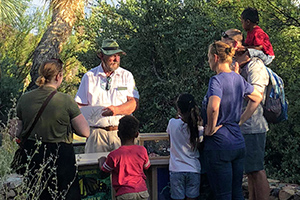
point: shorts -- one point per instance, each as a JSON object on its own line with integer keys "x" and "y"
{"x": 267, "y": 59}
{"x": 184, "y": 184}
{"x": 255, "y": 152}
{"x": 134, "y": 196}
{"x": 101, "y": 140}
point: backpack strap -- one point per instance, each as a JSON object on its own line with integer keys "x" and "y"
{"x": 21, "y": 143}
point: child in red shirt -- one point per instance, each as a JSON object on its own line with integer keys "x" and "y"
{"x": 257, "y": 42}
{"x": 126, "y": 164}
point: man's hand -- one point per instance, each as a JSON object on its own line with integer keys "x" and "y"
{"x": 109, "y": 111}
{"x": 124, "y": 109}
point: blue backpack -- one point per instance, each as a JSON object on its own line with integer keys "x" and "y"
{"x": 276, "y": 105}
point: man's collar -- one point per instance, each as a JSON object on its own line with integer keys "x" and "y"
{"x": 102, "y": 73}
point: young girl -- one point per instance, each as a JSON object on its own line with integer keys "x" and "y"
{"x": 184, "y": 165}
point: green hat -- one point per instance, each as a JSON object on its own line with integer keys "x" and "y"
{"x": 110, "y": 47}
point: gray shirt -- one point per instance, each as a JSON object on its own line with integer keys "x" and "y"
{"x": 256, "y": 74}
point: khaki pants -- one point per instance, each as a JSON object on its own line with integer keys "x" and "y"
{"x": 101, "y": 140}
{"x": 134, "y": 196}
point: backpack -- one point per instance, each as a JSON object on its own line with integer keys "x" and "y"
{"x": 275, "y": 105}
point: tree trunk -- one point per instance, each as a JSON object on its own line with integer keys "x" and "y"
{"x": 57, "y": 33}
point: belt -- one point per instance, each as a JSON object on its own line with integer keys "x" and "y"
{"x": 107, "y": 128}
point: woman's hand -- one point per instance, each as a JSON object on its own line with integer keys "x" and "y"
{"x": 208, "y": 132}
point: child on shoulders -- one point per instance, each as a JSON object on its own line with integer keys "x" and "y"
{"x": 126, "y": 164}
{"x": 184, "y": 164}
{"x": 257, "y": 41}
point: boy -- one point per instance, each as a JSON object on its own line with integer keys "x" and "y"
{"x": 126, "y": 163}
{"x": 257, "y": 41}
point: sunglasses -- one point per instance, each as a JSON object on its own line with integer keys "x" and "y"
{"x": 224, "y": 35}
{"x": 108, "y": 83}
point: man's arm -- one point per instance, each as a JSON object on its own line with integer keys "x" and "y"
{"x": 254, "y": 100}
{"x": 82, "y": 93}
{"x": 124, "y": 109}
{"x": 258, "y": 75}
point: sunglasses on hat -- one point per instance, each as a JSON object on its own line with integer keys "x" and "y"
{"x": 225, "y": 36}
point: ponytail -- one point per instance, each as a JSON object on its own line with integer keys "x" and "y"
{"x": 193, "y": 122}
{"x": 187, "y": 105}
{"x": 40, "y": 81}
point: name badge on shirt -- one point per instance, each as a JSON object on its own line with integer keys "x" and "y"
{"x": 121, "y": 88}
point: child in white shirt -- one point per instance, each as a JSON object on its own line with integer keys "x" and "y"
{"x": 184, "y": 165}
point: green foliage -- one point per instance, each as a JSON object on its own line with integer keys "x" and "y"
{"x": 12, "y": 10}
{"x": 16, "y": 46}
{"x": 72, "y": 65}
{"x": 9, "y": 88}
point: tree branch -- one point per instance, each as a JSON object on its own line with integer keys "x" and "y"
{"x": 283, "y": 13}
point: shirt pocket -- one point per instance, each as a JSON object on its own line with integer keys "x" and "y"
{"x": 122, "y": 93}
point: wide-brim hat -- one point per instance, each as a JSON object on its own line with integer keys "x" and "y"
{"x": 110, "y": 47}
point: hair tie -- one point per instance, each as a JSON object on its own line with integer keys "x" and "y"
{"x": 228, "y": 50}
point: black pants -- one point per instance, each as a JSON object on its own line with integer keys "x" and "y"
{"x": 54, "y": 163}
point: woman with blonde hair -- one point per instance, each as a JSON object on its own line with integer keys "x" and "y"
{"x": 45, "y": 133}
{"x": 224, "y": 145}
